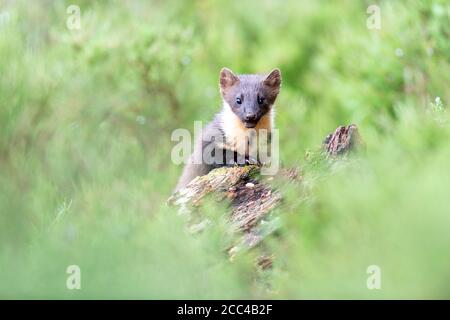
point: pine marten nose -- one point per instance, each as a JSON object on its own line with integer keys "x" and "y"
{"x": 250, "y": 116}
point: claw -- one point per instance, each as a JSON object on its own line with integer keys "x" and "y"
{"x": 250, "y": 160}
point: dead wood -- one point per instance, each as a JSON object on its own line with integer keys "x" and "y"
{"x": 343, "y": 140}
{"x": 251, "y": 197}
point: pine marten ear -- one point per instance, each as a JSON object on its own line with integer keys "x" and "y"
{"x": 273, "y": 80}
{"x": 227, "y": 79}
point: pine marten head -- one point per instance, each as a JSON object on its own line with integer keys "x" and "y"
{"x": 250, "y": 97}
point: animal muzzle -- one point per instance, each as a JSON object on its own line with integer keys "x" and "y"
{"x": 250, "y": 119}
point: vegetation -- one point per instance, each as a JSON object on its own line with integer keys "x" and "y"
{"x": 85, "y": 171}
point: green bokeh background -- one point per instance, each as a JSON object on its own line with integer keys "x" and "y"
{"x": 85, "y": 122}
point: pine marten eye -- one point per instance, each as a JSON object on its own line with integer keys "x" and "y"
{"x": 261, "y": 100}
{"x": 238, "y": 100}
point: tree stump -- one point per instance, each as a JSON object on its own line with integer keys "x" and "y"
{"x": 342, "y": 141}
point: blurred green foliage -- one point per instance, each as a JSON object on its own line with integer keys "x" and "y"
{"x": 85, "y": 123}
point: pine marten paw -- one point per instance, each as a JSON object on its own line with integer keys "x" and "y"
{"x": 250, "y": 160}
{"x": 242, "y": 161}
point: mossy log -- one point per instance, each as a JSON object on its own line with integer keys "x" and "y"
{"x": 252, "y": 197}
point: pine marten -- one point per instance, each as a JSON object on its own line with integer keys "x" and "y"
{"x": 232, "y": 137}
